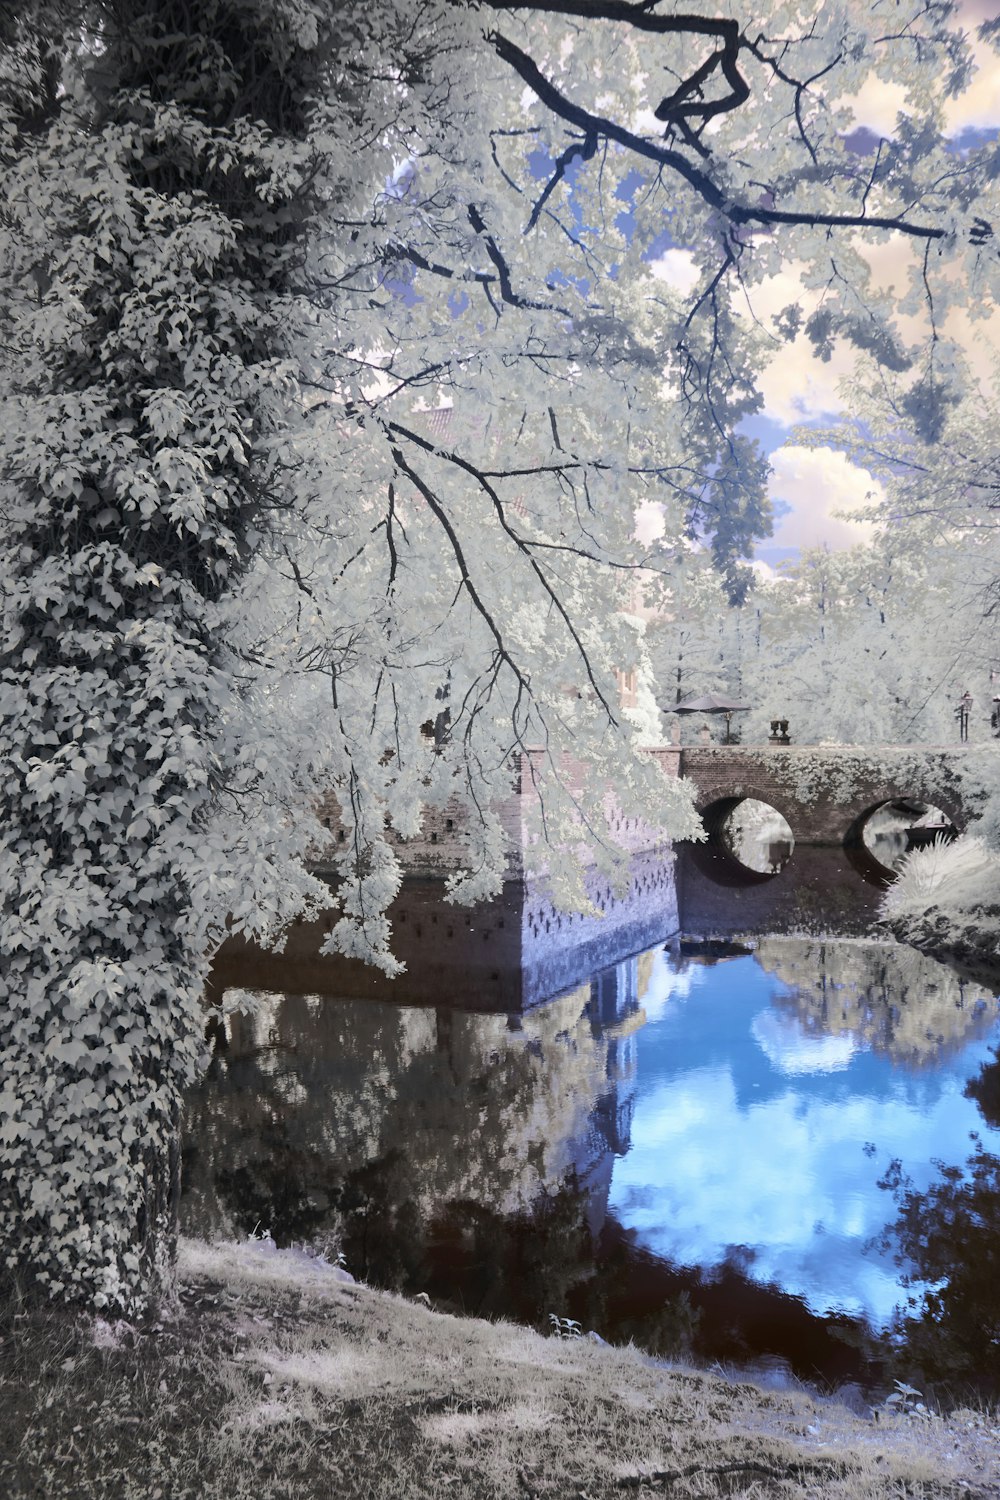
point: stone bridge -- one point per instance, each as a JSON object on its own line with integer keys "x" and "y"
{"x": 825, "y": 794}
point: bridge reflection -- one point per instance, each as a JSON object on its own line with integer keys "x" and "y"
{"x": 819, "y": 890}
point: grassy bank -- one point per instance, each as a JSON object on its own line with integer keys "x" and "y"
{"x": 272, "y": 1376}
{"x": 945, "y": 900}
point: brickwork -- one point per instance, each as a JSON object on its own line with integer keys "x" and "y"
{"x": 505, "y": 955}
{"x": 559, "y": 948}
{"x": 824, "y": 794}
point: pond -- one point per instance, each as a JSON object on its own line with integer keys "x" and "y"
{"x": 702, "y": 1147}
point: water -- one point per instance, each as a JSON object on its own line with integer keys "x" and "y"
{"x": 686, "y": 1149}
{"x": 760, "y": 839}
{"x": 772, "y": 1092}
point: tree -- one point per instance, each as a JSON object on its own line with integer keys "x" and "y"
{"x": 250, "y": 253}
{"x": 158, "y": 183}
{"x": 864, "y": 646}
{"x": 691, "y": 639}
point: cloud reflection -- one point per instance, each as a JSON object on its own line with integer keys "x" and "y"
{"x": 791, "y": 1049}
{"x": 750, "y": 1131}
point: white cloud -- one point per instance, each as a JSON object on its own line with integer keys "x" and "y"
{"x": 980, "y": 104}
{"x": 877, "y": 105}
{"x": 817, "y": 483}
{"x": 677, "y": 268}
{"x": 649, "y": 522}
{"x": 797, "y": 387}
{"x": 795, "y": 384}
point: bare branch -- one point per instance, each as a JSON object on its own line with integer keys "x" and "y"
{"x": 696, "y": 177}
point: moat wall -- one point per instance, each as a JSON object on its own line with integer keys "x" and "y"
{"x": 505, "y": 955}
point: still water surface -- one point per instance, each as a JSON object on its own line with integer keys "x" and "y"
{"x": 686, "y": 1149}
{"x": 771, "y": 1093}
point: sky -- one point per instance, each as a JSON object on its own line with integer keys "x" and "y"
{"x": 809, "y": 488}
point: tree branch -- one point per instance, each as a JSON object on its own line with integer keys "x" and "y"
{"x": 696, "y": 177}
{"x": 522, "y": 545}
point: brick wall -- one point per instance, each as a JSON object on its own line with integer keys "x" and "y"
{"x": 504, "y": 955}
{"x": 438, "y": 849}
{"x": 498, "y": 956}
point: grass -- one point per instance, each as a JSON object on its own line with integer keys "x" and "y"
{"x": 960, "y": 874}
{"x": 272, "y": 1377}
{"x": 946, "y": 902}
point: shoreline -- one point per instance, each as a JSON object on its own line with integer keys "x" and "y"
{"x": 969, "y": 948}
{"x": 275, "y": 1375}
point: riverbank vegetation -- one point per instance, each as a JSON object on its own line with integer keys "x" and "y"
{"x": 274, "y": 1375}
{"x": 945, "y": 900}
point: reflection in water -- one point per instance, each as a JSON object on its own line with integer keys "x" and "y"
{"x": 891, "y": 999}
{"x": 311, "y": 1090}
{"x": 897, "y": 827}
{"x": 763, "y": 1121}
{"x": 686, "y": 1150}
{"x": 820, "y": 890}
{"x": 985, "y": 1089}
{"x": 946, "y": 1239}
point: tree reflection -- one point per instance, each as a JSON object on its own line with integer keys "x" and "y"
{"x": 948, "y": 1240}
{"x": 986, "y": 1090}
{"x": 310, "y": 1104}
{"x": 894, "y": 1000}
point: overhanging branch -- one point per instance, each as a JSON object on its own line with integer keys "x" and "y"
{"x": 591, "y": 126}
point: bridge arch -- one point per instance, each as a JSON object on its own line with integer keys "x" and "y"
{"x": 859, "y": 850}
{"x": 715, "y": 856}
{"x": 826, "y": 794}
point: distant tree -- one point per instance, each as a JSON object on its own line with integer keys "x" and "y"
{"x": 864, "y": 646}
{"x": 246, "y": 250}
{"x": 692, "y": 642}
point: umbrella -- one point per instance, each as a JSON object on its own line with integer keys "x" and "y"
{"x": 709, "y": 703}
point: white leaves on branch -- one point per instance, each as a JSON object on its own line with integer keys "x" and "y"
{"x": 322, "y": 476}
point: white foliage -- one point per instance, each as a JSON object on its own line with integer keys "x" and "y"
{"x": 246, "y": 559}
{"x": 953, "y": 877}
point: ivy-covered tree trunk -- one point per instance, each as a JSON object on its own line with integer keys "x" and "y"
{"x": 154, "y": 207}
